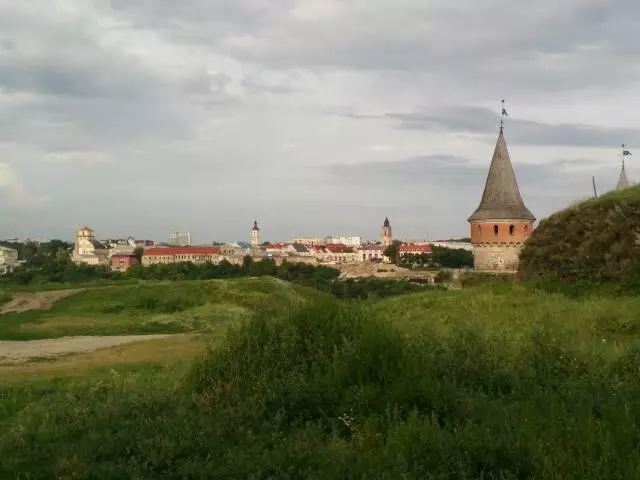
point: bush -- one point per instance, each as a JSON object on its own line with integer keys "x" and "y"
{"x": 443, "y": 276}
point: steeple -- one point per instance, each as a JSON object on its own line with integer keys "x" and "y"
{"x": 386, "y": 222}
{"x": 255, "y": 225}
{"x": 501, "y": 199}
{"x": 623, "y": 181}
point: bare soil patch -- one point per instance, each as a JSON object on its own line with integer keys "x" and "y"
{"x": 25, "y": 301}
{"x": 377, "y": 270}
{"x": 23, "y": 351}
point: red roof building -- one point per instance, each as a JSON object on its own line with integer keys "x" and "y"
{"x": 121, "y": 262}
{"x": 414, "y": 249}
{"x": 338, "y": 248}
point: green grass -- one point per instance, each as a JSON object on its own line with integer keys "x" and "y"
{"x": 499, "y": 382}
{"x": 5, "y": 298}
{"x": 154, "y": 307}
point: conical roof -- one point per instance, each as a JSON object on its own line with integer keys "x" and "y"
{"x": 501, "y": 198}
{"x": 623, "y": 181}
{"x": 255, "y": 225}
{"x": 386, "y": 222}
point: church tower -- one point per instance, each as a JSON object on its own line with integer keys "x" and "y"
{"x": 255, "y": 234}
{"x": 501, "y": 223}
{"x": 623, "y": 181}
{"x": 387, "y": 234}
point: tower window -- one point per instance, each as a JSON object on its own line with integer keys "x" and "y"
{"x": 512, "y": 229}
{"x": 495, "y": 230}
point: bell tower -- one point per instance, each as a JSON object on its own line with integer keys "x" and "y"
{"x": 387, "y": 234}
{"x": 502, "y": 223}
{"x": 255, "y": 234}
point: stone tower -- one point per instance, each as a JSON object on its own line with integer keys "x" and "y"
{"x": 501, "y": 223}
{"x": 255, "y": 234}
{"x": 387, "y": 234}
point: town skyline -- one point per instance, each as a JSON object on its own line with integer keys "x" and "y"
{"x": 203, "y": 117}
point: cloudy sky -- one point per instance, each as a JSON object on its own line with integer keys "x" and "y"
{"x": 314, "y": 117}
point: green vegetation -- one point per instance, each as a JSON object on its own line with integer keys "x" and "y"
{"x": 155, "y": 307}
{"x": 440, "y": 257}
{"x": 593, "y": 242}
{"x": 503, "y": 382}
{"x": 5, "y": 298}
{"x": 324, "y": 279}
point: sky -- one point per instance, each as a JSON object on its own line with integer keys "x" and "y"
{"x": 313, "y": 117}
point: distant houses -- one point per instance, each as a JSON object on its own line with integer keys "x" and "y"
{"x": 8, "y": 260}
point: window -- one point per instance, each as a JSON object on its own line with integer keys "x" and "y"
{"x": 495, "y": 230}
{"x": 512, "y": 230}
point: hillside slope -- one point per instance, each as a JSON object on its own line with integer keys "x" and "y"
{"x": 595, "y": 241}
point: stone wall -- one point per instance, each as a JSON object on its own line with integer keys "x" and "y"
{"x": 496, "y": 257}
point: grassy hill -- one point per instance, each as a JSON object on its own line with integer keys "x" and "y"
{"x": 155, "y": 307}
{"x": 596, "y": 241}
{"x": 503, "y": 382}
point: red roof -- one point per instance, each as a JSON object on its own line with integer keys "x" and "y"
{"x": 339, "y": 248}
{"x": 276, "y": 246}
{"x": 412, "y": 248}
{"x": 182, "y": 251}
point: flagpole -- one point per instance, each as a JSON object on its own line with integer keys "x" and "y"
{"x": 595, "y": 193}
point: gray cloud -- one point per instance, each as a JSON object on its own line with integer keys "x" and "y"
{"x": 474, "y": 120}
{"x": 143, "y": 116}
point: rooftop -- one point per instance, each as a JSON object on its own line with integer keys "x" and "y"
{"x": 501, "y": 198}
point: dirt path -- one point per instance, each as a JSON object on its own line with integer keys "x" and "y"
{"x": 18, "y": 352}
{"x": 25, "y": 301}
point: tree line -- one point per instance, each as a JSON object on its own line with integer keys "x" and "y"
{"x": 440, "y": 257}
{"x": 54, "y": 266}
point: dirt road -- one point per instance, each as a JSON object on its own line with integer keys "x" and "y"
{"x": 25, "y": 301}
{"x": 18, "y": 352}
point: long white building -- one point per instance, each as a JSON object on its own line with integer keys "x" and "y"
{"x": 348, "y": 241}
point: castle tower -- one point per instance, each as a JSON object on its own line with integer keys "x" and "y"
{"x": 255, "y": 235}
{"x": 623, "y": 181}
{"x": 387, "y": 234}
{"x": 501, "y": 223}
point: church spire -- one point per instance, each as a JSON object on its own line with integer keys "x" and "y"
{"x": 623, "y": 181}
{"x": 501, "y": 198}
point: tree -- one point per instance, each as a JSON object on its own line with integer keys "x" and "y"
{"x": 393, "y": 251}
{"x": 139, "y": 252}
{"x": 452, "y": 257}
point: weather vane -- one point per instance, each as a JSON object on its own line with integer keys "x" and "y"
{"x": 625, "y": 152}
{"x": 503, "y": 113}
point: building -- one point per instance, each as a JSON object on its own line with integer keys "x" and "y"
{"x": 372, "y": 253}
{"x": 453, "y": 245}
{"x": 414, "y": 249}
{"x": 342, "y": 240}
{"x": 340, "y": 253}
{"x": 312, "y": 242}
{"x": 88, "y": 250}
{"x": 255, "y": 234}
{"x": 121, "y": 262}
{"x": 8, "y": 260}
{"x": 301, "y": 250}
{"x": 387, "y": 234}
{"x": 180, "y": 239}
{"x": 502, "y": 223}
{"x": 154, "y": 256}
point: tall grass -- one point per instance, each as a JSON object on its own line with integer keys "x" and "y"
{"x": 340, "y": 391}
